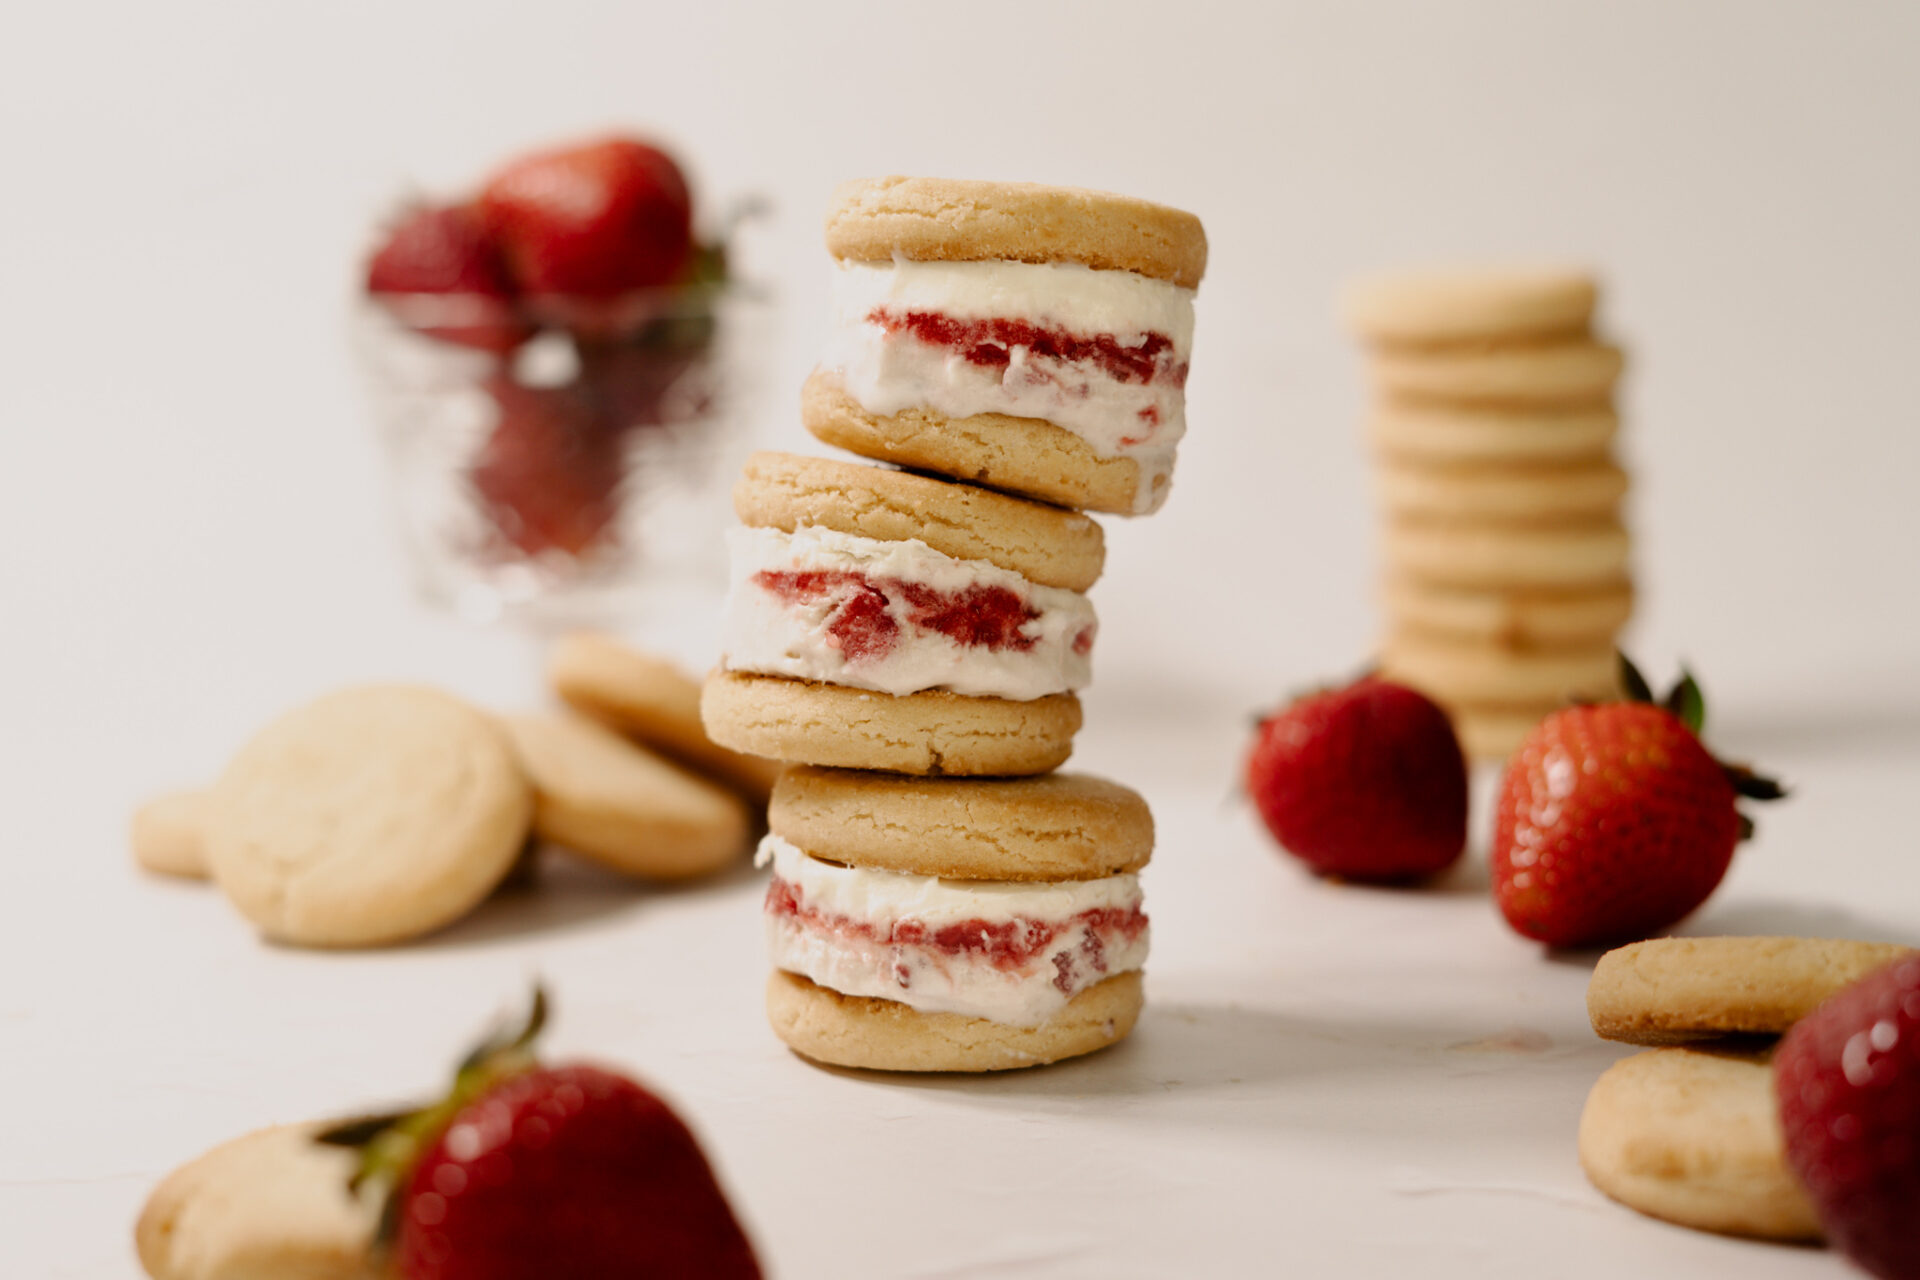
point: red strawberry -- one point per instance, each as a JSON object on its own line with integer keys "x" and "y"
{"x": 1614, "y": 821}
{"x": 528, "y": 1172}
{"x": 591, "y": 220}
{"x": 438, "y": 272}
{"x": 1848, "y": 1080}
{"x": 549, "y": 475}
{"x": 1365, "y": 782}
{"x": 571, "y": 1171}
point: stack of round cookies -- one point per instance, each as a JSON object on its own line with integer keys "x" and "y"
{"x": 912, "y": 639}
{"x": 1506, "y": 559}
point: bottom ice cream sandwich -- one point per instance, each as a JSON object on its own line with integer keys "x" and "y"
{"x": 939, "y": 924}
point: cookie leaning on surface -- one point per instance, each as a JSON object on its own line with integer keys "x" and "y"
{"x": 368, "y": 816}
{"x": 1060, "y": 826}
{"x": 1673, "y": 990}
{"x": 169, "y": 834}
{"x": 806, "y": 722}
{"x": 1694, "y": 1137}
{"x": 1034, "y": 339}
{"x": 654, "y": 701}
{"x": 618, "y": 804}
{"x": 271, "y": 1204}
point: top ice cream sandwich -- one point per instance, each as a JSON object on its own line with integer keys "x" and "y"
{"x": 1028, "y": 338}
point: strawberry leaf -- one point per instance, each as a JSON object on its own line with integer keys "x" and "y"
{"x": 1687, "y": 702}
{"x": 506, "y": 1040}
{"x": 1746, "y": 825}
{"x": 1753, "y": 786}
{"x": 358, "y": 1131}
{"x": 1635, "y": 684}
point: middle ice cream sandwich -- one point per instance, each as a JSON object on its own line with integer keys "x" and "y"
{"x": 926, "y": 924}
{"x": 883, "y": 620}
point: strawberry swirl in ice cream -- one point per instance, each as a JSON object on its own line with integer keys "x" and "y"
{"x": 1102, "y": 354}
{"x": 899, "y": 617}
{"x": 1009, "y": 952}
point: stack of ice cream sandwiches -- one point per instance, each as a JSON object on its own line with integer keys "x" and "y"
{"x": 1507, "y": 562}
{"x": 910, "y": 638}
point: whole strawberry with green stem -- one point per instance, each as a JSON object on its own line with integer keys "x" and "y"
{"x": 1614, "y": 821}
{"x": 527, "y": 1172}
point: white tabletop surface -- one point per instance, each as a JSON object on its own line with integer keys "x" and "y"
{"x": 1333, "y": 1081}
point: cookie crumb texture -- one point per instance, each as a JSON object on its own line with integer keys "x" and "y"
{"x": 883, "y": 1035}
{"x": 368, "y": 816}
{"x": 652, "y": 700}
{"x": 921, "y": 733}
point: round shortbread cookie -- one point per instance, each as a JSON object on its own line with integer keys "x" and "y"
{"x": 1461, "y": 554}
{"x": 1465, "y": 303}
{"x": 169, "y": 834}
{"x": 652, "y": 700}
{"x": 622, "y": 806}
{"x": 1043, "y": 544}
{"x": 1453, "y": 672}
{"x": 1448, "y": 435}
{"x": 884, "y": 1035}
{"x": 271, "y": 1204}
{"x": 1027, "y": 456}
{"x": 1491, "y": 734}
{"x": 1061, "y": 826}
{"x": 1694, "y": 1137}
{"x": 1560, "y": 373}
{"x": 921, "y": 733}
{"x": 958, "y": 220}
{"x": 1509, "y": 619}
{"x": 1672, "y": 990}
{"x": 1519, "y": 495}
{"x": 368, "y": 816}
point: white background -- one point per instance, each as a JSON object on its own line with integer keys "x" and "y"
{"x": 191, "y": 539}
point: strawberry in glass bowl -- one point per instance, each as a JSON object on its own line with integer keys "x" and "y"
{"x": 559, "y": 362}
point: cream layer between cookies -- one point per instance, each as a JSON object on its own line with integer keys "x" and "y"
{"x": 1102, "y": 354}
{"x": 899, "y": 618}
{"x": 1009, "y": 952}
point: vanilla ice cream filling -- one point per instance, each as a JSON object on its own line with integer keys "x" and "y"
{"x": 1102, "y": 354}
{"x": 898, "y": 617}
{"x": 1005, "y": 951}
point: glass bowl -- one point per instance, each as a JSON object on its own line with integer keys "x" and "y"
{"x": 561, "y": 469}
